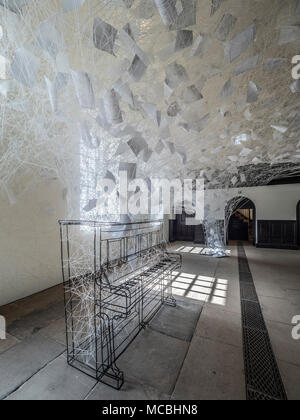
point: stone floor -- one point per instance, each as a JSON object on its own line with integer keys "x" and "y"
{"x": 191, "y": 352}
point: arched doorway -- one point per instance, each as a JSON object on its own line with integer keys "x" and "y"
{"x": 298, "y": 224}
{"x": 240, "y": 220}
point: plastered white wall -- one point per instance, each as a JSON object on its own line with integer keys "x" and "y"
{"x": 277, "y": 202}
{"x": 29, "y": 242}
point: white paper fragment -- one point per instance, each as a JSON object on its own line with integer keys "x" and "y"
{"x": 130, "y": 168}
{"x": 175, "y": 75}
{"x": 112, "y": 107}
{"x": 295, "y": 86}
{"x": 122, "y": 149}
{"x": 167, "y": 10}
{"x": 272, "y": 64}
{"x": 234, "y": 48}
{"x": 184, "y": 39}
{"x": 137, "y": 69}
{"x": 84, "y": 89}
{"x": 92, "y": 204}
{"x": 289, "y": 34}
{"x": 125, "y": 92}
{"x": 243, "y": 178}
{"x": 182, "y": 154}
{"x": 200, "y": 124}
{"x": 200, "y": 45}
{"x": 24, "y": 67}
{"x": 137, "y": 144}
{"x": 145, "y": 9}
{"x": 128, "y": 3}
{"x": 132, "y": 46}
{"x": 279, "y": 128}
{"x": 61, "y": 81}
{"x": 245, "y": 152}
{"x": 167, "y": 91}
{"x": 164, "y": 130}
{"x": 227, "y": 89}
{"x": 246, "y": 65}
{"x": 70, "y": 5}
{"x": 147, "y": 155}
{"x": 191, "y": 94}
{"x": 90, "y": 141}
{"x": 215, "y": 4}
{"x": 225, "y": 26}
{"x": 234, "y": 180}
{"x": 7, "y": 86}
{"x": 48, "y": 38}
{"x": 101, "y": 118}
{"x": 256, "y": 161}
{"x": 104, "y": 36}
{"x": 52, "y": 92}
{"x": 253, "y": 92}
{"x": 186, "y": 14}
{"x": 233, "y": 158}
{"x": 14, "y": 6}
{"x": 159, "y": 147}
{"x": 173, "y": 109}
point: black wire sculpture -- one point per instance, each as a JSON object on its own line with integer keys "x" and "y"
{"x": 116, "y": 278}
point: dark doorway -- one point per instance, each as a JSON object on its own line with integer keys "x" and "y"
{"x": 182, "y": 231}
{"x": 241, "y": 221}
{"x": 298, "y": 223}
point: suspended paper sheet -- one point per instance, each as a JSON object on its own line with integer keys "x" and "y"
{"x": 234, "y": 48}
{"x": 70, "y": 5}
{"x": 289, "y": 34}
{"x": 272, "y": 64}
{"x": 186, "y": 14}
{"x": 104, "y": 36}
{"x": 52, "y": 92}
{"x": 253, "y": 92}
{"x": 191, "y": 94}
{"x": 61, "y": 81}
{"x": 90, "y": 141}
{"x": 147, "y": 155}
{"x": 200, "y": 45}
{"x": 132, "y": 46}
{"x": 167, "y": 10}
{"x": 112, "y": 108}
{"x": 225, "y": 26}
{"x": 25, "y": 67}
{"x": 84, "y": 89}
{"x": 295, "y": 87}
{"x": 92, "y": 204}
{"x": 14, "y": 6}
{"x": 137, "y": 144}
{"x": 215, "y": 4}
{"x": 246, "y": 65}
{"x": 175, "y": 75}
{"x": 184, "y": 39}
{"x": 137, "y": 69}
{"x": 227, "y": 90}
{"x": 182, "y": 154}
{"x": 201, "y": 124}
{"x": 122, "y": 149}
{"x": 130, "y": 168}
{"x": 101, "y": 118}
{"x": 48, "y": 38}
{"x": 128, "y": 3}
{"x": 159, "y": 147}
{"x": 173, "y": 109}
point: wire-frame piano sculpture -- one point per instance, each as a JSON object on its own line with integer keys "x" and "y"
{"x": 116, "y": 277}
